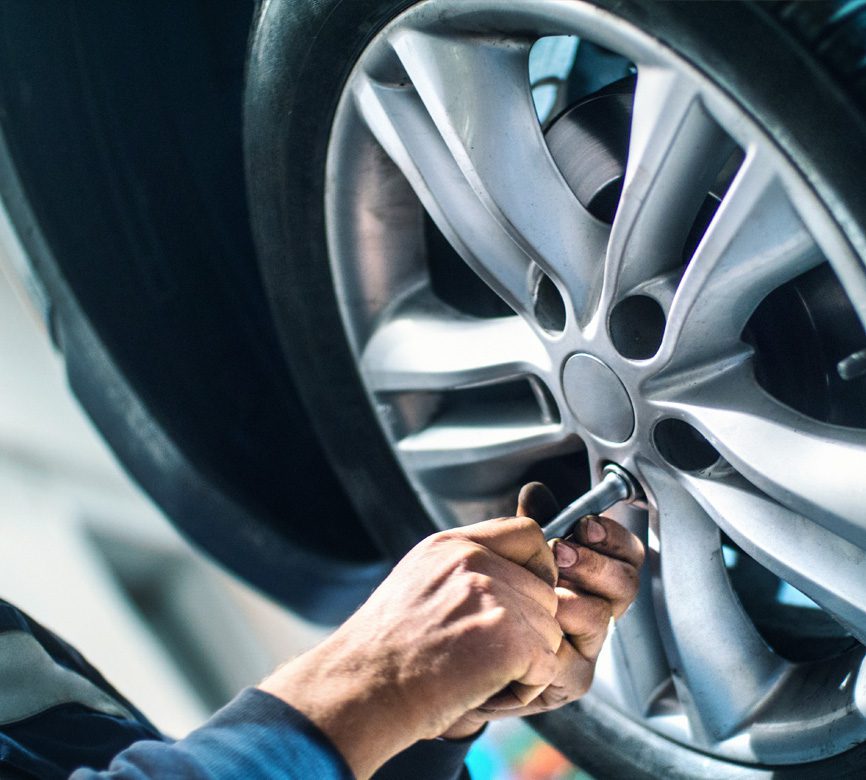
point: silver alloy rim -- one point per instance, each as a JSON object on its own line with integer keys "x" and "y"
{"x": 438, "y": 114}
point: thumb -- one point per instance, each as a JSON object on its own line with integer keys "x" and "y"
{"x": 536, "y": 501}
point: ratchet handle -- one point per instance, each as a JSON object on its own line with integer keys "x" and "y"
{"x": 616, "y": 485}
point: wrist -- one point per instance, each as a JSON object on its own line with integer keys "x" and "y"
{"x": 355, "y": 706}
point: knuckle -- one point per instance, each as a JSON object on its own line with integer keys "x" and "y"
{"x": 591, "y": 563}
{"x": 523, "y": 523}
{"x": 434, "y": 550}
{"x": 426, "y": 546}
{"x": 548, "y": 664}
{"x": 617, "y": 576}
{"x": 530, "y": 528}
{"x": 588, "y": 646}
{"x": 589, "y": 643}
{"x": 592, "y": 620}
{"x": 478, "y": 583}
{"x": 470, "y": 557}
{"x": 543, "y": 551}
{"x": 441, "y": 537}
{"x": 574, "y": 687}
{"x": 618, "y": 571}
{"x": 446, "y": 546}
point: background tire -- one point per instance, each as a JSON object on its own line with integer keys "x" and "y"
{"x": 121, "y": 168}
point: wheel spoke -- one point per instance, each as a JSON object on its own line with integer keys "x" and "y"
{"x": 478, "y": 95}
{"x": 675, "y": 153}
{"x": 401, "y": 125}
{"x": 425, "y": 345}
{"x": 813, "y": 468}
{"x": 827, "y": 568}
{"x": 724, "y": 670}
{"x": 458, "y": 441}
{"x": 755, "y": 243}
{"x": 639, "y": 657}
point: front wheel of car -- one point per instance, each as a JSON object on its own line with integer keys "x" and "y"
{"x": 520, "y": 240}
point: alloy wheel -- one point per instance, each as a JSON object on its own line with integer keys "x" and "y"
{"x": 644, "y": 332}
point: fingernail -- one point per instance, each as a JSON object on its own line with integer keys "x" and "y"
{"x": 565, "y": 555}
{"x": 595, "y": 531}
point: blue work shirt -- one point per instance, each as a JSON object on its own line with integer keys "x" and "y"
{"x": 59, "y": 718}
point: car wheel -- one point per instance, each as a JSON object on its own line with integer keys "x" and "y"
{"x": 513, "y": 241}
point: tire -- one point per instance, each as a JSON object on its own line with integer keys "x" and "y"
{"x": 121, "y": 160}
{"x": 774, "y": 61}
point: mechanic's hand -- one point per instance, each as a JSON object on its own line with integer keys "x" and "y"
{"x": 598, "y": 579}
{"x": 465, "y": 614}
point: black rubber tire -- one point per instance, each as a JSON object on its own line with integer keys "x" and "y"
{"x": 302, "y": 53}
{"x": 121, "y": 166}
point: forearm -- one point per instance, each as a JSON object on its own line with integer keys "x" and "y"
{"x": 352, "y": 699}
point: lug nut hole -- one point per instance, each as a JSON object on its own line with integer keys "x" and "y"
{"x": 683, "y": 446}
{"x": 637, "y": 324}
{"x": 548, "y": 303}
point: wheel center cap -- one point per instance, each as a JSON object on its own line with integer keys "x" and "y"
{"x": 597, "y": 398}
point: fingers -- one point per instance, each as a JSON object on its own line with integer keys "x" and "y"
{"x": 535, "y": 637}
{"x": 572, "y": 680}
{"x": 518, "y": 539}
{"x": 510, "y": 567}
{"x": 611, "y": 579}
{"x": 544, "y": 624}
{"x": 536, "y": 501}
{"x": 540, "y": 673}
{"x": 519, "y": 695}
{"x": 516, "y": 577}
{"x": 585, "y": 620}
{"x": 502, "y": 701}
{"x": 610, "y": 538}
{"x": 538, "y": 670}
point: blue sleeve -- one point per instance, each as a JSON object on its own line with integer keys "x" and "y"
{"x": 255, "y": 737}
{"x": 57, "y": 713}
{"x": 259, "y": 737}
